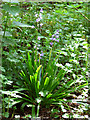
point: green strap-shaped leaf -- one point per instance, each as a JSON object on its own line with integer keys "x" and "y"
{"x": 38, "y": 68}
{"x": 27, "y": 98}
{"x": 26, "y": 81}
{"x": 29, "y": 64}
{"x": 33, "y": 111}
{"x": 23, "y": 105}
{"x": 31, "y": 78}
{"x": 60, "y": 74}
{"x": 46, "y": 81}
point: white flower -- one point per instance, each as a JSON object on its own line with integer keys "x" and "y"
{"x": 41, "y": 93}
{"x": 68, "y": 65}
{"x": 38, "y": 19}
{"x": 17, "y": 116}
{"x": 86, "y": 116}
{"x": 32, "y": 26}
{"x": 59, "y": 65}
{"x": 38, "y": 100}
{"x": 36, "y": 15}
{"x": 41, "y": 24}
{"x": 29, "y": 105}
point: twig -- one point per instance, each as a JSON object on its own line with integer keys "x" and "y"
{"x": 83, "y": 15}
{"x": 45, "y": 75}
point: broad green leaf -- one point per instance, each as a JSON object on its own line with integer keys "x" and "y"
{"x": 8, "y": 41}
{"x": 6, "y": 114}
{"x": 14, "y": 10}
{"x": 6, "y": 33}
{"x": 22, "y": 24}
{"x": 2, "y": 69}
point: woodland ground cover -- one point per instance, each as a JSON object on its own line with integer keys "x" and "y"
{"x": 44, "y": 60}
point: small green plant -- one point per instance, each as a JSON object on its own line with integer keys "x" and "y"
{"x": 54, "y": 113}
{"x": 41, "y": 87}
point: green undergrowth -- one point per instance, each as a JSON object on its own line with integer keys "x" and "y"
{"x": 44, "y": 59}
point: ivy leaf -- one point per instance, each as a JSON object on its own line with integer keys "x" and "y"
{"x": 6, "y": 114}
